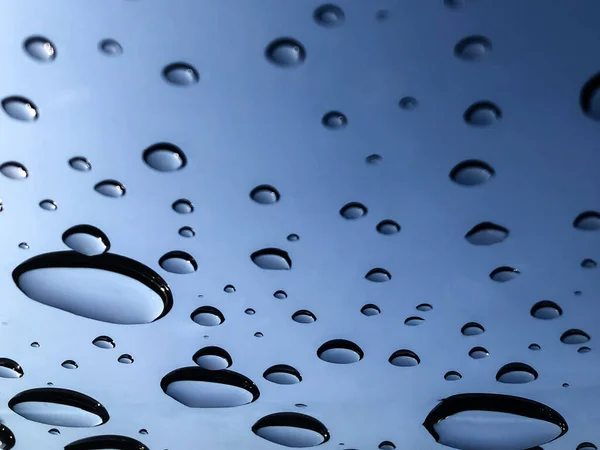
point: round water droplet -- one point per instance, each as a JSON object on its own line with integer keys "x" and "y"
{"x": 80, "y": 163}
{"x": 195, "y": 387}
{"x": 125, "y": 359}
{"x": 589, "y": 98}
{"x": 86, "y": 239}
{"x": 472, "y": 329}
{"x": 143, "y": 431}
{"x": 546, "y": 310}
{"x": 482, "y": 114}
{"x": 282, "y": 374}
{"x": 54, "y": 431}
{"x": 280, "y": 295}
{"x": 340, "y": 351}
{"x": 20, "y": 108}
{"x": 504, "y": 274}
{"x": 334, "y": 120}
{"x": 69, "y": 364}
{"x": 35, "y": 344}
{"x": 587, "y": 221}
{"x": 212, "y": 358}
{"x": 374, "y": 159}
{"x": 304, "y": 316}
{"x": 404, "y": 358}
{"x": 10, "y": 369}
{"x": 378, "y": 275}
{"x": 110, "y": 188}
{"x": 208, "y": 316}
{"x": 230, "y": 289}
{"x": 187, "y": 232}
{"x": 14, "y": 170}
{"x": 388, "y": 227}
{"x": 104, "y": 342}
{"x": 584, "y": 349}
{"x": 472, "y": 173}
{"x": 178, "y": 262}
{"x": 24, "y": 246}
{"x": 370, "y": 310}
{"x": 473, "y": 48}
{"x": 258, "y": 334}
{"x": 452, "y": 376}
{"x": 59, "y": 407}
{"x": 183, "y": 206}
{"x": 285, "y": 52}
{"x": 110, "y": 47}
{"x": 534, "y": 347}
{"x": 574, "y": 336}
{"x": 291, "y": 430}
{"x": 112, "y": 441}
{"x": 272, "y": 259}
{"x": 478, "y": 353}
{"x": 181, "y": 74}
{"x": 408, "y": 103}
{"x": 164, "y": 157}
{"x": 386, "y": 445}
{"x": 586, "y": 446}
{"x": 293, "y": 237}
{"x": 40, "y": 48}
{"x": 250, "y": 311}
{"x": 329, "y": 16}
{"x": 486, "y": 233}
{"x": 424, "y": 307}
{"x": 589, "y": 263}
{"x": 516, "y": 373}
{"x": 264, "y": 194}
{"x": 48, "y": 205}
{"x": 353, "y": 210}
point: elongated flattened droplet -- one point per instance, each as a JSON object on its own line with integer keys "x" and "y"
{"x": 340, "y": 351}
{"x": 516, "y": 373}
{"x": 282, "y": 374}
{"x": 472, "y": 173}
{"x": 504, "y": 274}
{"x": 291, "y": 430}
{"x": 587, "y": 221}
{"x": 265, "y": 194}
{"x": 378, "y": 275}
{"x": 10, "y": 369}
{"x": 586, "y": 446}
{"x": 472, "y": 329}
{"x": 304, "y": 316}
{"x": 574, "y": 336}
{"x": 353, "y": 210}
{"x": 110, "y": 188}
{"x": 404, "y": 358}
{"x": 272, "y": 259}
{"x": 473, "y": 48}
{"x": 546, "y": 310}
{"x": 178, "y": 262}
{"x": 107, "y": 441}
{"x": 387, "y": 445}
{"x": 486, "y": 233}
{"x": 86, "y": 239}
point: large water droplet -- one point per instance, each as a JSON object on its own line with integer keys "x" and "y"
{"x": 493, "y": 422}
{"x": 353, "y": 210}
{"x": 110, "y": 188}
{"x": 516, "y": 373}
{"x": 370, "y": 310}
{"x": 534, "y": 347}
{"x": 86, "y": 239}
{"x": 105, "y": 342}
{"x": 208, "y": 316}
{"x": 586, "y": 446}
{"x": 486, "y": 233}
{"x": 183, "y": 206}
{"x": 589, "y": 263}
{"x": 478, "y": 353}
{"x": 387, "y": 445}
{"x": 504, "y": 273}
{"x": 40, "y": 48}
{"x": 178, "y": 262}
{"x": 10, "y": 369}
{"x": 20, "y": 108}
{"x": 304, "y": 316}
{"x": 107, "y": 287}
{"x": 200, "y": 388}
{"x": 282, "y": 374}
{"x": 272, "y": 259}
{"x": 14, "y": 170}
{"x": 378, "y": 275}
{"x": 546, "y": 310}
{"x": 59, "y": 407}
{"x": 264, "y": 194}
{"x": 334, "y": 120}
{"x": 452, "y": 376}
{"x": 413, "y": 321}
{"x": 187, "y": 232}
{"x": 589, "y": 98}
{"x": 587, "y": 221}
{"x": 424, "y": 307}
{"x": 340, "y": 351}
{"x": 404, "y": 358}
{"x": 110, "y": 47}
{"x": 48, "y": 205}
{"x": 291, "y": 430}
{"x": 482, "y": 114}
{"x": 212, "y": 358}
{"x": 329, "y": 16}
{"x": 280, "y": 295}
{"x": 388, "y": 227}
{"x": 472, "y": 329}
{"x": 69, "y": 364}
{"x": 125, "y": 358}
{"x": 471, "y": 173}
{"x": 112, "y": 442}
{"x": 80, "y": 163}
{"x": 472, "y": 48}
{"x": 574, "y": 336}
{"x": 165, "y": 157}
{"x": 181, "y": 74}
{"x": 285, "y": 52}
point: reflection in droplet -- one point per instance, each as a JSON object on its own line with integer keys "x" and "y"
{"x": 80, "y": 163}
{"x": 472, "y": 48}
{"x": 304, "y": 316}
{"x": 285, "y": 52}
{"x": 181, "y": 74}
{"x": 14, "y": 170}
{"x": 478, "y": 353}
{"x": 59, "y": 407}
{"x": 48, "y": 205}
{"x": 195, "y": 387}
{"x": 208, "y": 316}
{"x": 546, "y": 310}
{"x": 282, "y": 374}
{"x": 291, "y": 430}
{"x": 164, "y": 157}
{"x": 293, "y": 237}
{"x": 230, "y": 289}
{"x": 388, "y": 227}
{"x": 353, "y": 210}
{"x": 387, "y": 445}
{"x": 125, "y": 359}
{"x": 413, "y": 321}
{"x": 112, "y": 441}
{"x": 69, "y": 364}
{"x": 486, "y": 233}
{"x": 54, "y": 431}
{"x": 334, "y": 120}
{"x": 178, "y": 262}
{"x": 183, "y": 206}
{"x": 378, "y": 275}
{"x": 212, "y": 358}
{"x": 20, "y": 108}
{"x": 340, "y": 351}
{"x": 472, "y": 329}
{"x": 329, "y": 16}
{"x": 503, "y": 274}
{"x": 110, "y": 47}
{"x": 493, "y": 422}
{"x": 516, "y": 373}
{"x": 110, "y": 188}
{"x": 589, "y": 98}
{"x": 40, "y": 48}
{"x": 272, "y": 259}
{"x": 264, "y": 194}
{"x": 24, "y": 246}
{"x": 187, "y": 232}
{"x": 86, "y": 239}
{"x": 452, "y": 376}
{"x": 104, "y": 342}
{"x": 404, "y": 358}
{"x": 482, "y": 114}
{"x": 574, "y": 336}
{"x": 534, "y": 347}
{"x": 10, "y": 369}
{"x": 587, "y": 221}
{"x": 424, "y": 307}
{"x": 370, "y": 310}
{"x": 584, "y": 349}
{"x": 471, "y": 173}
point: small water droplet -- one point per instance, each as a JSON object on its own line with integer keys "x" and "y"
{"x": 452, "y": 376}
{"x": 208, "y": 316}
{"x": 80, "y": 163}
{"x": 187, "y": 232}
{"x": 587, "y": 221}
{"x": 329, "y": 16}
{"x": 164, "y": 157}
{"x": 482, "y": 114}
{"x": 230, "y": 289}
{"x": 534, "y": 347}
{"x": 48, "y": 205}
{"x": 293, "y": 237}
{"x": 370, "y": 310}
{"x": 300, "y": 405}
{"x": 69, "y": 364}
{"x": 589, "y": 100}
{"x": 584, "y": 349}
{"x": 111, "y": 441}
{"x": 578, "y": 293}
{"x": 472, "y": 173}
{"x": 340, "y": 351}
{"x": 566, "y": 385}
{"x": 291, "y": 430}
{"x": 473, "y": 48}
{"x": 285, "y": 52}
{"x": 478, "y": 353}
{"x": 104, "y": 342}
{"x": 40, "y": 48}
{"x": 516, "y": 373}
{"x": 574, "y": 336}
{"x": 125, "y": 359}
{"x": 486, "y": 233}
{"x": 504, "y": 273}
{"x": 472, "y": 329}
{"x": 546, "y": 310}
{"x": 588, "y": 263}
{"x": 264, "y": 194}
{"x": 586, "y": 446}
{"x": 34, "y": 344}
{"x": 24, "y": 246}
{"x": 213, "y": 358}
{"x": 413, "y": 321}
{"x": 86, "y": 239}
{"x": 110, "y": 47}
{"x": 14, "y": 170}
{"x": 374, "y": 159}
{"x": 258, "y": 334}
{"x": 20, "y": 108}
{"x": 282, "y": 374}
{"x": 181, "y": 74}
{"x": 54, "y": 431}
{"x": 334, "y": 120}
{"x": 183, "y": 206}
{"x": 387, "y": 445}
{"x": 178, "y": 262}
{"x": 280, "y": 295}
{"x": 408, "y": 103}
{"x": 388, "y": 227}
{"x": 143, "y": 431}
{"x": 378, "y": 275}
{"x": 304, "y": 316}
{"x": 110, "y": 188}
{"x": 250, "y": 311}
{"x": 272, "y": 259}
{"x": 424, "y": 307}
{"x": 353, "y": 210}
{"x": 404, "y": 358}
{"x": 10, "y": 369}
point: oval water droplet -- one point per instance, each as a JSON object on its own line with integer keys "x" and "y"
{"x": 282, "y": 374}
{"x": 413, "y": 321}
{"x": 208, "y": 316}
{"x": 293, "y": 237}
{"x": 340, "y": 351}
{"x": 329, "y": 16}
{"x": 164, "y": 157}
{"x": 230, "y": 289}
{"x": 546, "y": 310}
{"x": 187, "y": 232}
{"x": 482, "y": 114}
{"x": 291, "y": 430}
{"x": 589, "y": 263}
{"x": 14, "y": 170}
{"x": 40, "y": 48}
{"x": 492, "y": 422}
{"x": 452, "y": 376}
{"x": 272, "y": 259}
{"x": 478, "y": 353}
{"x": 472, "y": 173}
{"x": 10, "y": 368}
{"x": 86, "y": 239}
{"x": 586, "y": 446}
{"x": 104, "y": 342}
{"x": 370, "y": 310}
{"x": 250, "y": 311}
{"x": 69, "y": 364}
{"x": 404, "y": 358}
{"x": 59, "y": 407}
{"x": 107, "y": 287}
{"x": 574, "y": 336}
{"x": 373, "y": 159}
{"x": 516, "y": 373}
{"x": 387, "y": 445}
{"x": 285, "y": 52}
{"x": 24, "y": 246}
{"x": 125, "y": 359}
{"x": 181, "y": 74}
{"x": 587, "y": 221}
{"x": 280, "y": 295}
{"x": 258, "y": 334}
{"x": 378, "y": 275}
{"x": 110, "y": 47}
{"x": 388, "y": 227}
{"x": 178, "y": 262}
{"x": 353, "y": 210}
{"x": 424, "y": 307}
{"x": 584, "y": 349}
{"x": 486, "y": 233}
{"x": 7, "y": 438}
{"x": 408, "y": 103}
{"x": 534, "y": 347}
{"x": 334, "y": 120}
{"x": 212, "y": 358}
{"x": 110, "y": 188}
{"x": 183, "y": 206}
{"x": 473, "y": 48}
{"x": 20, "y": 108}
{"x": 304, "y": 316}
{"x": 472, "y": 329}
{"x": 35, "y": 344}
{"x": 195, "y": 387}
{"x": 265, "y": 194}
{"x": 589, "y": 98}
{"x": 111, "y": 441}
{"x": 48, "y": 205}
{"x": 504, "y": 273}
{"x": 80, "y": 163}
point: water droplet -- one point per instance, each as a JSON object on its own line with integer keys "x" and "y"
{"x": 482, "y": 114}
{"x": 258, "y": 334}
{"x": 110, "y": 188}
{"x": 80, "y": 163}
{"x": 181, "y": 74}
{"x": 10, "y": 368}
{"x": 107, "y": 287}
{"x": 20, "y": 108}
{"x": 59, "y": 407}
{"x": 291, "y": 430}
{"x": 280, "y": 295}
{"x": 111, "y": 441}
{"x": 264, "y": 194}
{"x": 86, "y": 239}
{"x": 285, "y": 52}
{"x": 48, "y": 205}
{"x": 14, "y": 170}
{"x": 378, "y": 275}
{"x": 178, "y": 262}
{"x": 588, "y": 263}
{"x": 300, "y": 405}
{"x": 304, "y": 316}
{"x": 388, "y": 227}
{"x": 353, "y": 210}
{"x": 584, "y": 349}
{"x": 110, "y": 47}
{"x": 24, "y": 246}
{"x": 293, "y": 237}
{"x": 340, "y": 351}
{"x": 374, "y": 159}
{"x": 587, "y": 221}
{"x": 493, "y": 421}
{"x": 125, "y": 359}
{"x": 472, "y": 173}
{"x": 250, "y": 311}
{"x": 589, "y": 99}
{"x": 486, "y": 233}
{"x": 143, "y": 431}
{"x": 413, "y": 321}
{"x": 35, "y": 344}
{"x": 282, "y": 374}
{"x": 404, "y": 358}
{"x": 534, "y": 347}
{"x": 183, "y": 206}
{"x": 452, "y": 376}
{"x": 334, "y": 120}
{"x": 408, "y": 103}
{"x": 574, "y": 336}
{"x": 546, "y": 310}
{"x": 69, "y": 364}
{"x": 329, "y": 16}
{"x": 230, "y": 289}
{"x": 370, "y": 310}
{"x": 208, "y": 316}
{"x": 473, "y": 48}
{"x": 586, "y": 446}
{"x": 504, "y": 273}
{"x": 272, "y": 259}
{"x": 195, "y": 387}
{"x": 424, "y": 307}
{"x": 54, "y": 431}
{"x": 40, "y": 48}
{"x": 187, "y": 232}
{"x": 387, "y": 445}
{"x": 566, "y": 385}
{"x": 164, "y": 157}
{"x": 212, "y": 358}
{"x": 472, "y": 329}
{"x": 577, "y": 293}
{"x": 478, "y": 353}
{"x": 104, "y": 342}
{"x": 516, "y": 373}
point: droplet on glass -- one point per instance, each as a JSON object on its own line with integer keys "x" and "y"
{"x": 282, "y": 374}
{"x": 80, "y": 163}
{"x": 587, "y": 221}
{"x": 7, "y": 438}
{"x": 472, "y": 329}
{"x": 329, "y": 16}
{"x": 104, "y": 342}
{"x": 424, "y": 307}
{"x": 249, "y": 311}
{"x": 408, "y": 103}
{"x": 264, "y": 194}
{"x": 183, "y": 206}
{"x": 258, "y": 334}
{"x": 588, "y": 263}
{"x": 178, "y": 262}
{"x": 388, "y": 227}
{"x": 387, "y": 445}
{"x": 374, "y": 159}
{"x": 378, "y": 275}
{"x": 516, "y": 373}
{"x": 24, "y": 246}
{"x": 578, "y": 293}
{"x": 164, "y": 157}
{"x": 229, "y": 289}
{"x": 20, "y": 108}
{"x": 110, "y": 188}
{"x": 589, "y": 98}
{"x": 478, "y": 353}
{"x": 272, "y": 259}
{"x": 334, "y": 120}
{"x": 181, "y": 74}
{"x": 370, "y": 310}
{"x": 14, "y": 170}
{"x": 584, "y": 349}
{"x": 534, "y": 347}
{"x": 285, "y": 52}
{"x": 86, "y": 239}
{"x": 35, "y": 344}
{"x": 48, "y": 205}
{"x": 574, "y": 336}
{"x": 471, "y": 173}
{"x": 208, "y": 316}
{"x": 413, "y": 321}
{"x": 187, "y": 232}
{"x": 340, "y": 351}
{"x": 353, "y": 210}
{"x": 112, "y": 441}
{"x": 293, "y": 237}
{"x": 291, "y": 430}
{"x": 304, "y": 316}
{"x": 212, "y": 358}
{"x": 452, "y": 376}
{"x": 482, "y": 114}
{"x": 40, "y": 48}
{"x": 280, "y": 295}
{"x": 473, "y": 48}
{"x": 110, "y": 47}
{"x": 404, "y": 358}
{"x": 125, "y": 359}
{"x": 54, "y": 431}
{"x": 69, "y": 364}
{"x": 546, "y": 310}
{"x": 301, "y": 405}
{"x": 486, "y": 233}
{"x": 504, "y": 273}
{"x": 10, "y": 369}
{"x": 586, "y": 446}
{"x": 143, "y": 431}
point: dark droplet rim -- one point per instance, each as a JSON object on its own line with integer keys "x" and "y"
{"x": 295, "y": 420}
{"x": 282, "y": 368}
{"x": 265, "y": 187}
{"x": 586, "y": 215}
{"x": 213, "y": 351}
{"x": 573, "y": 332}
{"x": 378, "y": 270}
{"x": 7, "y": 437}
{"x": 502, "y": 269}
{"x": 106, "y": 339}
{"x": 585, "y": 445}
{"x": 484, "y": 227}
{"x": 471, "y": 164}
{"x": 462, "y": 45}
{"x": 586, "y": 94}
{"x": 168, "y": 147}
{"x": 208, "y": 310}
{"x": 106, "y": 441}
{"x": 329, "y": 8}
{"x": 180, "y": 65}
{"x": 325, "y": 120}
{"x": 381, "y": 226}
{"x": 183, "y": 201}
{"x": 90, "y": 230}
{"x": 12, "y": 365}
{"x": 272, "y": 251}
{"x": 343, "y": 344}
{"x": 370, "y": 306}
{"x": 287, "y": 41}
{"x": 20, "y": 99}
{"x": 471, "y": 110}
{"x": 478, "y": 349}
{"x": 41, "y": 39}
{"x": 386, "y": 444}
{"x": 111, "y": 182}
{"x": 404, "y": 353}
{"x": 468, "y": 325}
{"x": 352, "y": 205}
{"x": 424, "y": 307}
{"x": 304, "y": 312}
{"x": 545, "y": 304}
{"x": 516, "y": 367}
{"x": 178, "y": 254}
{"x": 452, "y": 373}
